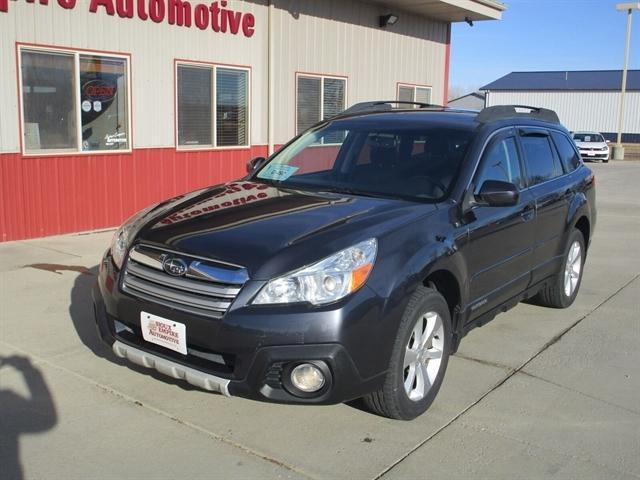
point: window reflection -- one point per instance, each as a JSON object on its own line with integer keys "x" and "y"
{"x": 48, "y": 96}
{"x": 103, "y": 102}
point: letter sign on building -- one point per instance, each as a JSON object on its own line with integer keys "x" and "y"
{"x": 182, "y": 13}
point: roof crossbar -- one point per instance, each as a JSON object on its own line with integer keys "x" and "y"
{"x": 497, "y": 112}
{"x": 383, "y": 105}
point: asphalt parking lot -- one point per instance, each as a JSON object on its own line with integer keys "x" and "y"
{"x": 535, "y": 393}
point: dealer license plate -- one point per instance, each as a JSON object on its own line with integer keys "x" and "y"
{"x": 164, "y": 332}
{"x": 591, "y": 154}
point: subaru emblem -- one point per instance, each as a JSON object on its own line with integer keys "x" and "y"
{"x": 174, "y": 266}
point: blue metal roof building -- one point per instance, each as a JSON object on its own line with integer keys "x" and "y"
{"x": 584, "y": 100}
{"x": 594, "y": 80}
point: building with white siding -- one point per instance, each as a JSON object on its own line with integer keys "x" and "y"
{"x": 584, "y": 100}
{"x": 470, "y": 101}
{"x": 107, "y": 106}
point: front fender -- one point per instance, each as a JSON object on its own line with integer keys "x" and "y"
{"x": 416, "y": 252}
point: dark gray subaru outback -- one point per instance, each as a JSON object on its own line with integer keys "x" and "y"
{"x": 352, "y": 262}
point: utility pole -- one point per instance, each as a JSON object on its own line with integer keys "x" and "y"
{"x": 618, "y": 149}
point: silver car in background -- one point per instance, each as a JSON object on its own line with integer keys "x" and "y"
{"x": 592, "y": 146}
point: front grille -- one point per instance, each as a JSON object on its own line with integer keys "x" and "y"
{"x": 207, "y": 287}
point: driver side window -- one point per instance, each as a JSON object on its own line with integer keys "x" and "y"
{"x": 500, "y": 162}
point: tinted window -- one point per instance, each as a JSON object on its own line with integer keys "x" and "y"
{"x": 568, "y": 155}
{"x": 500, "y": 162}
{"x": 542, "y": 164}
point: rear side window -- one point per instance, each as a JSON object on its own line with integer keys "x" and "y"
{"x": 568, "y": 155}
{"x": 542, "y": 164}
{"x": 500, "y": 162}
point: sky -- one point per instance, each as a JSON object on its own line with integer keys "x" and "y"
{"x": 536, "y": 35}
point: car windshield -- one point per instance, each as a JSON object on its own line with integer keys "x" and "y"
{"x": 414, "y": 163}
{"x": 588, "y": 137}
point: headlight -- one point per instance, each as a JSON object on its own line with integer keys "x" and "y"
{"x": 326, "y": 281}
{"x": 122, "y": 238}
{"x": 119, "y": 244}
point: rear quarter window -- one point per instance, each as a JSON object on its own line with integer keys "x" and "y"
{"x": 568, "y": 155}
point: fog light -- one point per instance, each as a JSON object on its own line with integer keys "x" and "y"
{"x": 307, "y": 378}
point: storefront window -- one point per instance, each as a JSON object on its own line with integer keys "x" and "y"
{"x": 48, "y": 97}
{"x": 318, "y": 98}
{"x": 405, "y": 94}
{"x": 231, "y": 107}
{"x": 194, "y": 106}
{"x": 333, "y": 99}
{"x": 423, "y": 95}
{"x": 74, "y": 108}
{"x": 103, "y": 101}
{"x": 197, "y": 123}
{"x": 309, "y": 102}
{"x": 414, "y": 93}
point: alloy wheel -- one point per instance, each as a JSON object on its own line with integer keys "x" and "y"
{"x": 423, "y": 356}
{"x": 572, "y": 269}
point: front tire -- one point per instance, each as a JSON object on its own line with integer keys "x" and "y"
{"x": 419, "y": 358}
{"x": 562, "y": 292}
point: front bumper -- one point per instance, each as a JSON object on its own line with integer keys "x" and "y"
{"x": 250, "y": 350}
{"x": 594, "y": 154}
{"x": 172, "y": 369}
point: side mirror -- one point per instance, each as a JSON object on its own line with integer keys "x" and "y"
{"x": 495, "y": 193}
{"x": 255, "y": 163}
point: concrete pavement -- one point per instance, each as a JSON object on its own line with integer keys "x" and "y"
{"x": 535, "y": 393}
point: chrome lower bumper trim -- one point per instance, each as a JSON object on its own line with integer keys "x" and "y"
{"x": 172, "y": 369}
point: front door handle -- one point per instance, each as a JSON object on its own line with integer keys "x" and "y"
{"x": 527, "y": 214}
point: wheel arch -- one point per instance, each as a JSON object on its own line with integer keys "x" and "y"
{"x": 448, "y": 277}
{"x": 584, "y": 226}
{"x": 445, "y": 283}
{"x": 579, "y": 216}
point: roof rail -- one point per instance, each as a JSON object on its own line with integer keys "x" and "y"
{"x": 497, "y": 112}
{"x": 383, "y": 105}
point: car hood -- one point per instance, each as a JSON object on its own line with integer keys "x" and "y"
{"x": 253, "y": 224}
{"x": 591, "y": 144}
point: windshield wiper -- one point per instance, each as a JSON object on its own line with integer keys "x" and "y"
{"x": 362, "y": 193}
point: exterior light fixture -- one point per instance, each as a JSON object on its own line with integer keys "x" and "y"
{"x": 469, "y": 21}
{"x": 389, "y": 19}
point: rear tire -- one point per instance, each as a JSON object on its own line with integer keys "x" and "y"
{"x": 562, "y": 291}
{"x": 419, "y": 358}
